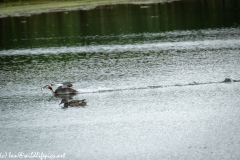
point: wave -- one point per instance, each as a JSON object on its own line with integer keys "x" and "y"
{"x": 146, "y": 47}
{"x": 219, "y": 38}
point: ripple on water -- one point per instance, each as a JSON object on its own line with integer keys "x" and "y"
{"x": 152, "y": 60}
{"x": 145, "y": 42}
{"x": 143, "y": 93}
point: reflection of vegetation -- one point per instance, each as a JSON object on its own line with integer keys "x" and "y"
{"x": 69, "y": 28}
{"x": 8, "y": 3}
{"x": 59, "y": 4}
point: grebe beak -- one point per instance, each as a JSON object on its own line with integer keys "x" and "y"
{"x": 44, "y": 87}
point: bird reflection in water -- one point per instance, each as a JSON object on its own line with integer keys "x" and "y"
{"x": 63, "y": 96}
{"x": 73, "y": 103}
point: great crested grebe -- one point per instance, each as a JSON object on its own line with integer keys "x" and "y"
{"x": 63, "y": 89}
{"x": 73, "y": 103}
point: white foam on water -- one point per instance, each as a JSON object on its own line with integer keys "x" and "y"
{"x": 156, "y": 46}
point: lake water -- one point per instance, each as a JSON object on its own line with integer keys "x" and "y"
{"x": 151, "y": 75}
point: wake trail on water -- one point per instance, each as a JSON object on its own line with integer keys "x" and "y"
{"x": 84, "y": 91}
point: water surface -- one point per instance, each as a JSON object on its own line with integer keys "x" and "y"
{"x": 151, "y": 75}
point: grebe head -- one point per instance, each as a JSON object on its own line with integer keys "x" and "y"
{"x": 47, "y": 86}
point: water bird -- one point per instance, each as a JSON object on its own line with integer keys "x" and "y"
{"x": 230, "y": 79}
{"x": 73, "y": 103}
{"x": 64, "y": 88}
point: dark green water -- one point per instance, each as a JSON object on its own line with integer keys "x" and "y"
{"x": 151, "y": 75}
{"x": 83, "y": 27}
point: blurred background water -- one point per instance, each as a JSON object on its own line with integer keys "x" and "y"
{"x": 134, "y": 65}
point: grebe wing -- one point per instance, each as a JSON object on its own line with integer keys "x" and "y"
{"x": 67, "y": 84}
{"x": 64, "y": 84}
